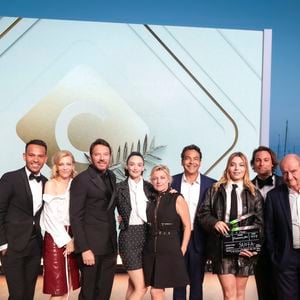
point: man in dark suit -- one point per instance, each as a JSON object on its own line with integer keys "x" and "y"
{"x": 193, "y": 186}
{"x": 264, "y": 163}
{"x": 92, "y": 205}
{"x": 282, "y": 229}
{"x": 20, "y": 235}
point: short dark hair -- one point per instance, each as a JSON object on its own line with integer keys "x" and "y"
{"x": 270, "y": 151}
{"x": 133, "y": 153}
{"x": 191, "y": 147}
{"x": 99, "y": 142}
{"x": 36, "y": 142}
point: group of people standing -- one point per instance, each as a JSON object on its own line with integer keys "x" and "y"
{"x": 169, "y": 226}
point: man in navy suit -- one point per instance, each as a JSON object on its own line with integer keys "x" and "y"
{"x": 264, "y": 163}
{"x": 20, "y": 234}
{"x": 282, "y": 229}
{"x": 193, "y": 186}
{"x": 92, "y": 206}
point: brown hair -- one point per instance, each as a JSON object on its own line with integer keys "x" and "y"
{"x": 99, "y": 142}
{"x": 133, "y": 153}
{"x": 270, "y": 151}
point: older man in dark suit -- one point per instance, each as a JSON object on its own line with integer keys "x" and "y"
{"x": 264, "y": 163}
{"x": 282, "y": 228}
{"x": 193, "y": 186}
{"x": 92, "y": 205}
{"x": 20, "y": 234}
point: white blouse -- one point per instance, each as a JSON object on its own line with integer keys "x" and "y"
{"x": 55, "y": 217}
{"x": 138, "y": 202}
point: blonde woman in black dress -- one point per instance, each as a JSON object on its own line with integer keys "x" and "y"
{"x": 132, "y": 198}
{"x": 233, "y": 271}
{"x": 167, "y": 215}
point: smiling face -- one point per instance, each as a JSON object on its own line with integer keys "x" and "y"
{"x": 65, "y": 167}
{"x": 290, "y": 168}
{"x": 160, "y": 180}
{"x": 35, "y": 157}
{"x": 191, "y": 162}
{"x": 101, "y": 157}
{"x": 236, "y": 169}
{"x": 135, "y": 167}
{"x": 263, "y": 164}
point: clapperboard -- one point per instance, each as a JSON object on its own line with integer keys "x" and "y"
{"x": 241, "y": 238}
{"x": 234, "y": 242}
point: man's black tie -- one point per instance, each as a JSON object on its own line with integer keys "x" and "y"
{"x": 35, "y": 177}
{"x": 233, "y": 207}
{"x": 262, "y": 182}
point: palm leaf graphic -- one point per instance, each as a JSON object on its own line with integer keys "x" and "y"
{"x": 119, "y": 160}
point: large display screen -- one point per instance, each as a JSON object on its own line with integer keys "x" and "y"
{"x": 141, "y": 87}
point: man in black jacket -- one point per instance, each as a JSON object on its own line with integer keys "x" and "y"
{"x": 20, "y": 235}
{"x": 282, "y": 227}
{"x": 264, "y": 163}
{"x": 92, "y": 205}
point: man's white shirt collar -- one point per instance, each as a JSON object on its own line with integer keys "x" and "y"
{"x": 198, "y": 179}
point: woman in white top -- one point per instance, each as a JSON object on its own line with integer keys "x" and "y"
{"x": 132, "y": 197}
{"x": 60, "y": 266}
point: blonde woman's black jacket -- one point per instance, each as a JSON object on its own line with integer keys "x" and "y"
{"x": 214, "y": 209}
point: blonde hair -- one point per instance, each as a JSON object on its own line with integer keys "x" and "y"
{"x": 163, "y": 168}
{"x": 57, "y": 157}
{"x": 226, "y": 177}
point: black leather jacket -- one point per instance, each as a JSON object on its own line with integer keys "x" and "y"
{"x": 214, "y": 209}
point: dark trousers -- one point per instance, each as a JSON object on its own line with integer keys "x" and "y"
{"x": 195, "y": 263}
{"x": 97, "y": 280}
{"x": 265, "y": 277}
{"x": 288, "y": 280}
{"x": 21, "y": 270}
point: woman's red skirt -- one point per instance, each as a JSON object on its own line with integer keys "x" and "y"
{"x": 58, "y": 278}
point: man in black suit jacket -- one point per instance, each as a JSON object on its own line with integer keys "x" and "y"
{"x": 264, "y": 163}
{"x": 282, "y": 228}
{"x": 20, "y": 234}
{"x": 92, "y": 205}
{"x": 193, "y": 186}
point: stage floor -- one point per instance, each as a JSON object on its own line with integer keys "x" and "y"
{"x": 212, "y": 289}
